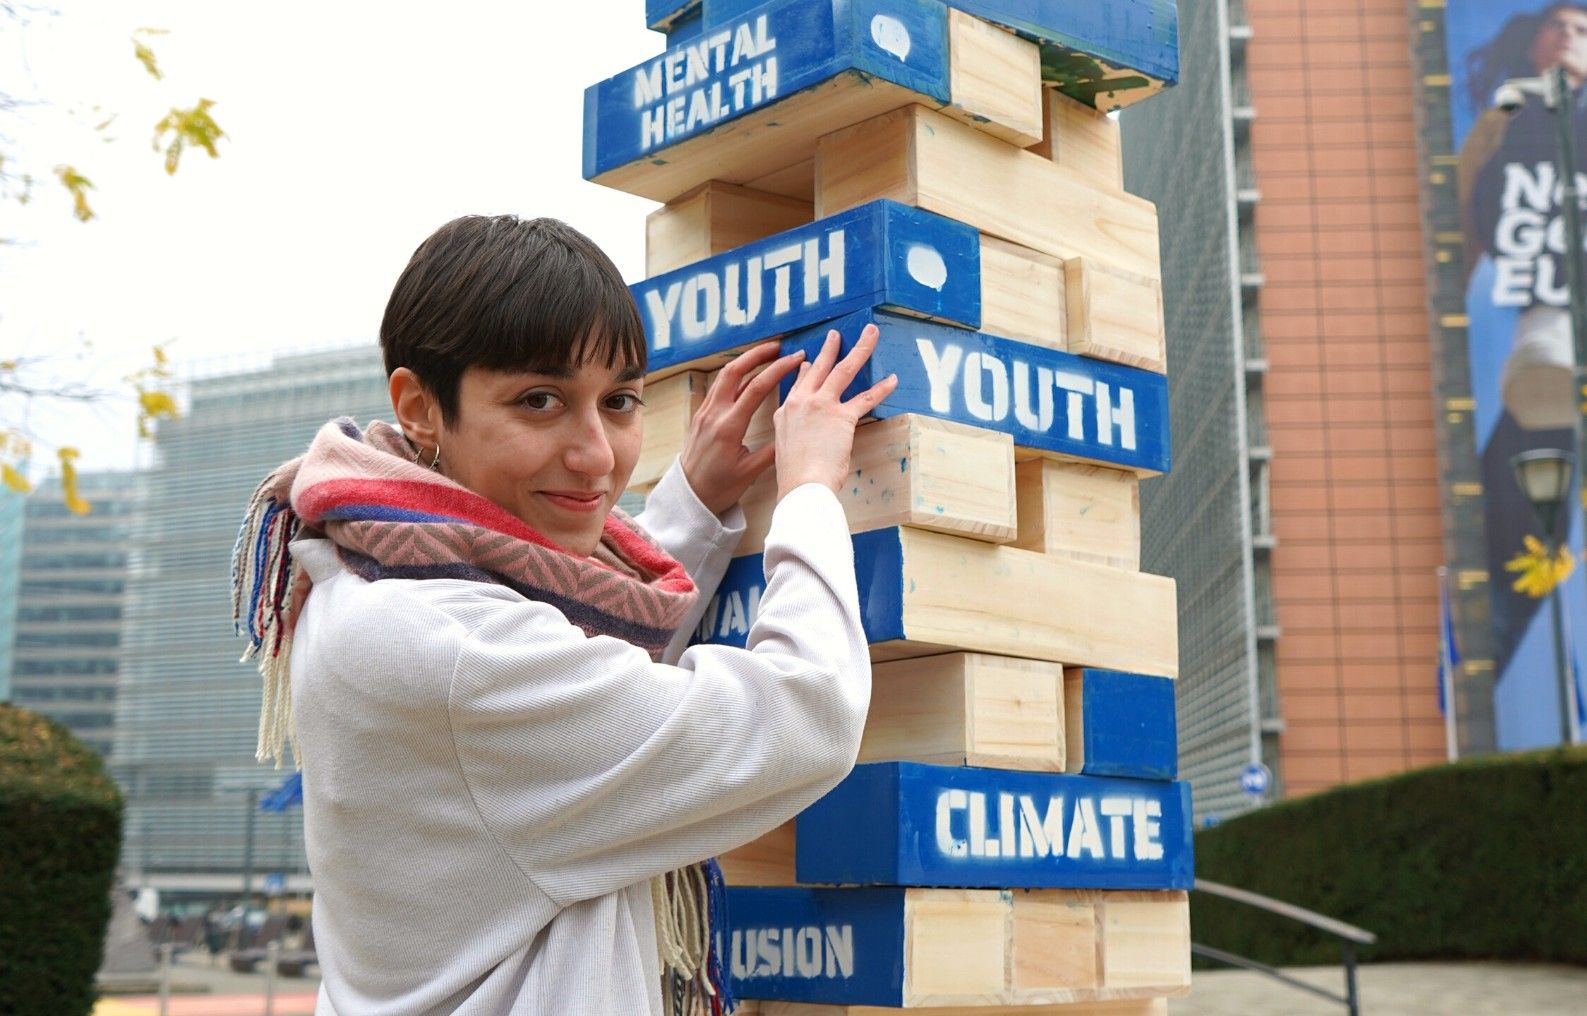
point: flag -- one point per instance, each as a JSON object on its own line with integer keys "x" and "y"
{"x": 289, "y": 793}
{"x": 1448, "y": 652}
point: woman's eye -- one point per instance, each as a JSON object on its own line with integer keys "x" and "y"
{"x": 624, "y": 402}
{"x": 538, "y": 400}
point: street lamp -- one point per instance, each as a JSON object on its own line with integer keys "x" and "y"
{"x": 1544, "y": 476}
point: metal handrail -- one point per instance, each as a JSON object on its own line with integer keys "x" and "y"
{"x": 1349, "y": 937}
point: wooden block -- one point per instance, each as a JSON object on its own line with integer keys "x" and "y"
{"x": 1023, "y": 294}
{"x": 670, "y": 405}
{"x": 1090, "y": 513}
{"x": 966, "y": 709}
{"x": 910, "y": 471}
{"x": 906, "y": 824}
{"x": 714, "y": 218}
{"x": 1146, "y": 941}
{"x": 924, "y": 593}
{"x": 767, "y": 861}
{"x": 888, "y": 947}
{"x": 1108, "y": 55}
{"x": 923, "y": 158}
{"x": 1081, "y": 137}
{"x": 1120, "y": 724}
{"x": 1054, "y": 946}
{"x": 881, "y": 254}
{"x": 661, "y": 14}
{"x": 995, "y": 80}
{"x": 1053, "y": 403}
{"x": 750, "y": 97}
{"x": 1126, "y": 1007}
{"x": 954, "y": 952}
{"x": 1114, "y": 316}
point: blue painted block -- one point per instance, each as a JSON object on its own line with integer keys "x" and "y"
{"x": 906, "y": 824}
{"x": 686, "y": 28}
{"x": 843, "y": 946}
{"x": 663, "y": 15}
{"x": 753, "y": 61}
{"x": 1119, "y": 724}
{"x": 878, "y": 567}
{"x": 1123, "y": 47}
{"x": 1056, "y": 402}
{"x": 881, "y": 254}
{"x": 1106, "y": 54}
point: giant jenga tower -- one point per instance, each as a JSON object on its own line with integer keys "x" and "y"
{"x": 1013, "y": 840}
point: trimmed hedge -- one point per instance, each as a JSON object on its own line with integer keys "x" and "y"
{"x": 60, "y": 835}
{"x": 1482, "y": 859}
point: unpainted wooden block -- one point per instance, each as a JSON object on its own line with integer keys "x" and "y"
{"x": 923, "y": 158}
{"x": 966, "y": 709}
{"x": 768, "y": 860}
{"x": 1115, "y": 316}
{"x": 1023, "y": 293}
{"x": 1145, "y": 941}
{"x": 910, "y": 471}
{"x": 1085, "y": 512}
{"x": 670, "y": 405}
{"x": 1081, "y": 137}
{"x": 714, "y": 218}
{"x": 955, "y": 945}
{"x": 995, "y": 79}
{"x": 1054, "y": 947}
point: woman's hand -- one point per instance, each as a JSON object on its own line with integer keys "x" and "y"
{"x": 715, "y": 462}
{"x": 815, "y": 428}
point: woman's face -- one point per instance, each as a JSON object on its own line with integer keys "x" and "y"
{"x": 555, "y": 450}
{"x": 1562, "y": 41}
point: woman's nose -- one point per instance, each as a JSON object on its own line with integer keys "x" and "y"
{"x": 589, "y": 449}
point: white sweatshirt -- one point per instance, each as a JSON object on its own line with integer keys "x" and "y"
{"x": 487, "y": 791}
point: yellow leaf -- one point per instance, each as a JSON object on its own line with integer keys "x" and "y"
{"x": 187, "y": 126}
{"x": 145, "y": 56}
{"x": 74, "y": 500}
{"x": 1539, "y": 571}
{"x": 13, "y": 479}
{"x": 79, "y": 186}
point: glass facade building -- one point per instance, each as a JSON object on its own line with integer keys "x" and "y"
{"x": 66, "y": 603}
{"x": 188, "y": 710}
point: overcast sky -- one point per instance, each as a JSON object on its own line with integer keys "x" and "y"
{"x": 354, "y": 129}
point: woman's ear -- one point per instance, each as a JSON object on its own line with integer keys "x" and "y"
{"x": 417, "y": 411}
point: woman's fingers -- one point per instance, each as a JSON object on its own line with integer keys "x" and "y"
{"x": 822, "y": 365}
{"x": 848, "y": 368}
{"x": 730, "y": 379}
{"x": 758, "y": 388}
{"x": 872, "y": 397}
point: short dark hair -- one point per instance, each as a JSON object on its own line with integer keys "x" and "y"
{"x": 505, "y": 293}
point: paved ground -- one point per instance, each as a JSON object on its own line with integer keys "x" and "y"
{"x": 1389, "y": 989}
{"x": 1396, "y": 989}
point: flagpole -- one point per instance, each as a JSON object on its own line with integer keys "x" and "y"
{"x": 1446, "y": 666}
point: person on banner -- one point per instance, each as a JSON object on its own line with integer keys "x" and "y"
{"x": 1508, "y": 189}
{"x": 514, "y": 771}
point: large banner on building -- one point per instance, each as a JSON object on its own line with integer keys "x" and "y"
{"x": 1518, "y": 322}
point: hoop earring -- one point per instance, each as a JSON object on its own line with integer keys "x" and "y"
{"x": 435, "y": 463}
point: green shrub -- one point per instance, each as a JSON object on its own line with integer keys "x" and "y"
{"x": 60, "y": 834}
{"x": 1485, "y": 858}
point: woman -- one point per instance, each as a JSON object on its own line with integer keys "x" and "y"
{"x": 512, "y": 767}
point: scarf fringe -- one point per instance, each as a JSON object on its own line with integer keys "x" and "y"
{"x": 691, "y": 912}
{"x": 265, "y": 582}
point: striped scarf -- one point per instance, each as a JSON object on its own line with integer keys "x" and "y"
{"x": 392, "y": 518}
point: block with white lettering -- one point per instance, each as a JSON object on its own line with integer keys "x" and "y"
{"x": 1119, "y": 724}
{"x": 1057, "y": 403}
{"x": 924, "y": 593}
{"x": 758, "y": 59}
{"x": 1106, "y": 54}
{"x": 883, "y": 947}
{"x": 903, "y": 823}
{"x": 878, "y": 254}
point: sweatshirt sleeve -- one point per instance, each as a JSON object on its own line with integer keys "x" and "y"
{"x": 695, "y": 537}
{"x": 595, "y": 768}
